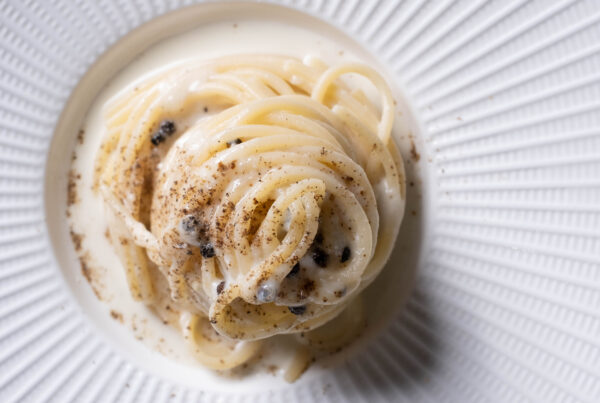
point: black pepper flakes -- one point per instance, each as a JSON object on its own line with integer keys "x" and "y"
{"x": 157, "y": 138}
{"x": 319, "y": 238}
{"x": 207, "y": 250}
{"x": 340, "y": 293}
{"x": 294, "y": 271}
{"x": 167, "y": 127}
{"x": 189, "y": 224}
{"x": 345, "y": 254}
{"x": 320, "y": 257}
{"x": 220, "y": 287}
{"x": 234, "y": 142}
{"x": 297, "y": 310}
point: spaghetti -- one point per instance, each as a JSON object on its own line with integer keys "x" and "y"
{"x": 258, "y": 194}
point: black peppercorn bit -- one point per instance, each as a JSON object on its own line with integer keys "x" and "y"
{"x": 297, "y": 310}
{"x": 207, "y": 250}
{"x": 167, "y": 127}
{"x": 233, "y": 142}
{"x": 294, "y": 271}
{"x": 220, "y": 287}
{"x": 189, "y": 224}
{"x": 345, "y": 254}
{"x": 318, "y": 238}
{"x": 320, "y": 257}
{"x": 157, "y": 138}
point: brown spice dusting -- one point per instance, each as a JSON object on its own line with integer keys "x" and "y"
{"x": 413, "y": 151}
{"x": 77, "y": 239}
{"x": 72, "y": 187}
{"x": 86, "y": 271}
{"x": 116, "y": 315}
{"x": 90, "y": 276}
{"x": 340, "y": 293}
{"x": 80, "y": 136}
{"x": 306, "y": 288}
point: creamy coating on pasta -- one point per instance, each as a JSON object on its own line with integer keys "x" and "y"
{"x": 258, "y": 193}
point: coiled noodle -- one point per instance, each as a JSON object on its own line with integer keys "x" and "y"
{"x": 259, "y": 194}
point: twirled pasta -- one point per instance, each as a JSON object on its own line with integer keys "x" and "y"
{"x": 260, "y": 194}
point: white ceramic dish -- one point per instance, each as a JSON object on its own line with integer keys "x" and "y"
{"x": 504, "y": 239}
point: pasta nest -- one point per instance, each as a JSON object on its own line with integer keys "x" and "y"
{"x": 265, "y": 191}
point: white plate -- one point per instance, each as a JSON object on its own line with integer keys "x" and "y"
{"x": 506, "y": 305}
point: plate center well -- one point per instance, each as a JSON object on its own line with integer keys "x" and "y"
{"x": 208, "y": 31}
